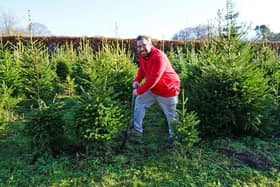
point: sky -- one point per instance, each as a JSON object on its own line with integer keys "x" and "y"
{"x": 160, "y": 19}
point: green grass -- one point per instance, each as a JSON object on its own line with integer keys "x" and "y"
{"x": 144, "y": 162}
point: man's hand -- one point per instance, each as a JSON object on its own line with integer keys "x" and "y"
{"x": 135, "y": 92}
{"x": 135, "y": 84}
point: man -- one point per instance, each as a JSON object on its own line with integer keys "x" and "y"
{"x": 161, "y": 85}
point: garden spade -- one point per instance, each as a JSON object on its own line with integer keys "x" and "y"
{"x": 129, "y": 125}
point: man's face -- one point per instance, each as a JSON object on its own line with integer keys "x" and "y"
{"x": 144, "y": 47}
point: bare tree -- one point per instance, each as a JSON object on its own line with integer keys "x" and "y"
{"x": 39, "y": 29}
{"x": 8, "y": 25}
{"x": 201, "y": 31}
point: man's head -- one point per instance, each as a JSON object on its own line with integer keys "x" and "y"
{"x": 144, "y": 45}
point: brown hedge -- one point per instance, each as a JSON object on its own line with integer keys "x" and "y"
{"x": 97, "y": 42}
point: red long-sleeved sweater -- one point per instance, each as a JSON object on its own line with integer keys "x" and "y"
{"x": 159, "y": 75}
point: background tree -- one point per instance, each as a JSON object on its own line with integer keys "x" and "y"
{"x": 8, "y": 25}
{"x": 35, "y": 28}
{"x": 264, "y": 33}
{"x": 274, "y": 36}
{"x": 39, "y": 29}
{"x": 200, "y": 31}
{"x": 228, "y": 24}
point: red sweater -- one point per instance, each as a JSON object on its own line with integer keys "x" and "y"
{"x": 159, "y": 75}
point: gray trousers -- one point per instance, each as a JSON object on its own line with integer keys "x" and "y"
{"x": 147, "y": 99}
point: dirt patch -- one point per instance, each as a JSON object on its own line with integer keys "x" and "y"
{"x": 256, "y": 160}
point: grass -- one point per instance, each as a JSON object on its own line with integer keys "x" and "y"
{"x": 245, "y": 161}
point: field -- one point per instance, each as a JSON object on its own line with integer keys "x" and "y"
{"x": 62, "y": 114}
{"x": 144, "y": 161}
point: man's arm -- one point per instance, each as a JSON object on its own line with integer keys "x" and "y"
{"x": 140, "y": 75}
{"x": 156, "y": 72}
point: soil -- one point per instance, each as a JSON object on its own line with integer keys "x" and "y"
{"x": 256, "y": 160}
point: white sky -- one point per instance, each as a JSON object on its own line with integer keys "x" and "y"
{"x": 160, "y": 19}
